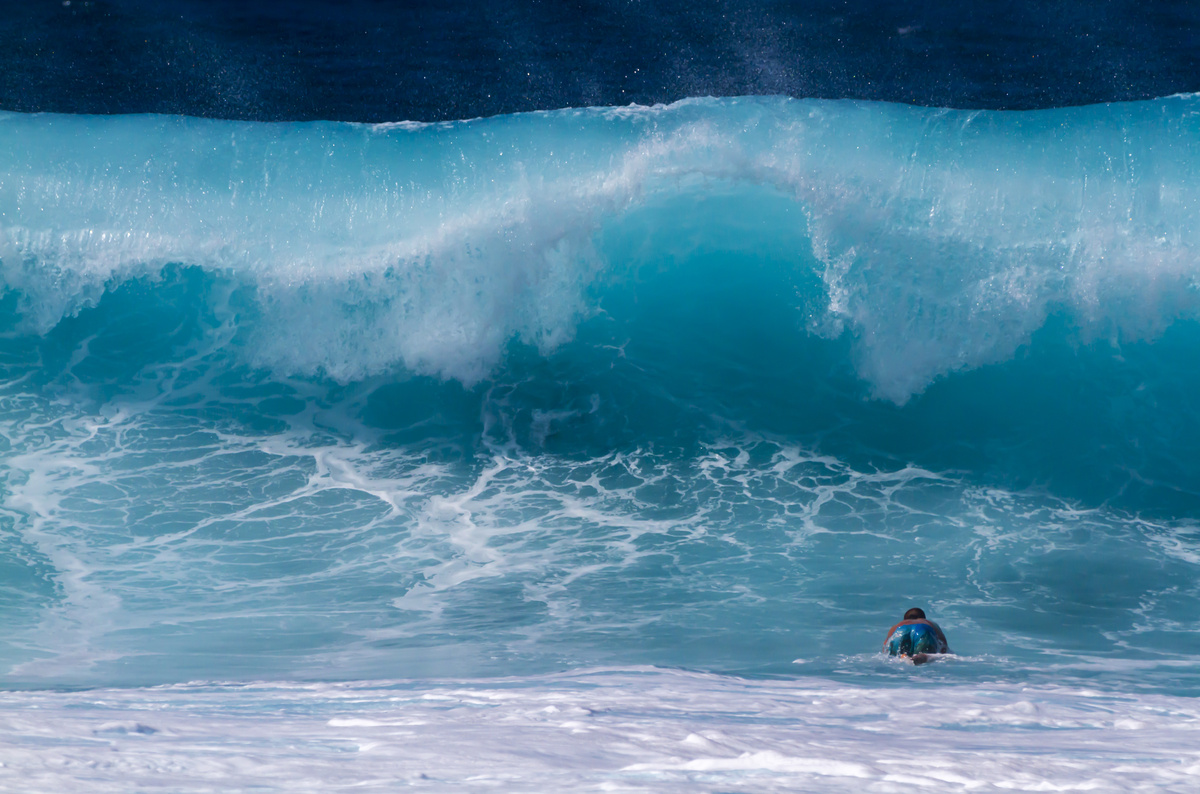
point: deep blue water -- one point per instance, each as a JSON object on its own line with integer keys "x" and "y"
{"x": 725, "y": 384}
{"x": 371, "y": 60}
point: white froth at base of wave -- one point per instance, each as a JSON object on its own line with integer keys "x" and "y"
{"x": 601, "y": 730}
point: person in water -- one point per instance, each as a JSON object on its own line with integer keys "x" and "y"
{"x": 915, "y": 638}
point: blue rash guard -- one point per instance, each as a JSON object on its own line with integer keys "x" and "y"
{"x": 909, "y": 639}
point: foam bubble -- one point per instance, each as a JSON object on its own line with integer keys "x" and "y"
{"x": 634, "y": 728}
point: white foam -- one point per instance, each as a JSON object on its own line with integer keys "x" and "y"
{"x": 632, "y": 730}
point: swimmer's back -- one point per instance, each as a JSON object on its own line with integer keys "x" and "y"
{"x": 912, "y": 637}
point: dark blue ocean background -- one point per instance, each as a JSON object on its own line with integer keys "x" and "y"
{"x": 372, "y": 60}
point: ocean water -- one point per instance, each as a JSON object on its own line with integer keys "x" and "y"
{"x": 596, "y": 448}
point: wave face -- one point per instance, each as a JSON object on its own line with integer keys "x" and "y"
{"x": 716, "y": 385}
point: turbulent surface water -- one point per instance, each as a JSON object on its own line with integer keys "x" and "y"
{"x": 633, "y": 730}
{"x": 723, "y": 385}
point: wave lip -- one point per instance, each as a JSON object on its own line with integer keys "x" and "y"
{"x": 942, "y": 239}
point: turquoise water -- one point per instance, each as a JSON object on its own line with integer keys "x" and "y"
{"x": 725, "y": 385}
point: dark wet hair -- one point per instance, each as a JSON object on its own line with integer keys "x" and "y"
{"x": 916, "y": 613}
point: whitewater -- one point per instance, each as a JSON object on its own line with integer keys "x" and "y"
{"x": 596, "y": 449}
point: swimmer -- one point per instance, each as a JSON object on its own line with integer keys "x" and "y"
{"x": 916, "y": 638}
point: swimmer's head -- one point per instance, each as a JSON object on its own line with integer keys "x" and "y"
{"x": 916, "y": 613}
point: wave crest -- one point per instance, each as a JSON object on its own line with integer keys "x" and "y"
{"x": 937, "y": 240}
